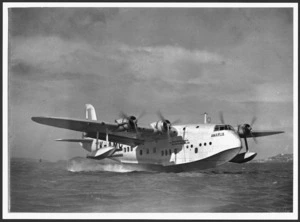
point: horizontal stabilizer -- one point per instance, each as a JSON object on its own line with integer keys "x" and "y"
{"x": 75, "y": 140}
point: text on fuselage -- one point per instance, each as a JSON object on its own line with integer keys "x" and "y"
{"x": 217, "y": 134}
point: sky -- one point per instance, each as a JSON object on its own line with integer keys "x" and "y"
{"x": 181, "y": 61}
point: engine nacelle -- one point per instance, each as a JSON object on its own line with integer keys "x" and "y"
{"x": 127, "y": 123}
{"x": 123, "y": 124}
{"x": 162, "y": 127}
{"x": 159, "y": 126}
{"x": 244, "y": 129}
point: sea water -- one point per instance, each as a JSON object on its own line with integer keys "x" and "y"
{"x": 85, "y": 185}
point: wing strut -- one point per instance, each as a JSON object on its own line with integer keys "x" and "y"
{"x": 106, "y": 137}
{"x": 246, "y": 144}
{"x": 97, "y": 141}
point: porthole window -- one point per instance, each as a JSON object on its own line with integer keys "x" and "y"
{"x": 204, "y": 144}
{"x": 196, "y": 150}
{"x": 197, "y": 126}
{"x": 191, "y": 146}
{"x": 187, "y": 146}
{"x": 200, "y": 144}
{"x": 141, "y": 152}
{"x": 209, "y": 143}
{"x": 166, "y": 152}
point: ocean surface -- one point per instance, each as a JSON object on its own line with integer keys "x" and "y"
{"x": 85, "y": 185}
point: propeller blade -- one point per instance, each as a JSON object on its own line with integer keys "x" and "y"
{"x": 253, "y": 120}
{"x": 221, "y": 117}
{"x": 141, "y": 115}
{"x": 168, "y": 132}
{"x": 254, "y": 138}
{"x": 176, "y": 121}
{"x": 123, "y": 115}
{"x": 136, "y": 129}
{"x": 160, "y": 115}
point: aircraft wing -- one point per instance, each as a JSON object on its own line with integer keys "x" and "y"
{"x": 91, "y": 127}
{"x": 260, "y": 133}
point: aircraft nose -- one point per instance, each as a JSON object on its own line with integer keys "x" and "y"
{"x": 235, "y": 140}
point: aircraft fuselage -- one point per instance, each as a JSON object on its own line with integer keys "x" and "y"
{"x": 196, "y": 146}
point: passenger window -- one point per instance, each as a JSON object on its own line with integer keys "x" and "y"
{"x": 209, "y": 143}
{"x": 191, "y": 146}
{"x": 196, "y": 150}
{"x": 187, "y": 146}
{"x": 222, "y": 128}
{"x": 131, "y": 148}
{"x": 162, "y": 153}
{"x": 200, "y": 144}
{"x": 127, "y": 149}
{"x": 204, "y": 144}
{"x": 170, "y": 152}
{"x": 141, "y": 152}
{"x": 166, "y": 152}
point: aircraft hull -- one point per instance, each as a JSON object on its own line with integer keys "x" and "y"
{"x": 210, "y": 162}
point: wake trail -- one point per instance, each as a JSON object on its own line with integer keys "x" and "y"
{"x": 79, "y": 164}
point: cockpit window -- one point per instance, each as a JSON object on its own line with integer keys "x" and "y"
{"x": 223, "y": 127}
{"x": 231, "y": 128}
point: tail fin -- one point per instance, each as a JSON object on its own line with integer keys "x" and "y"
{"x": 90, "y": 112}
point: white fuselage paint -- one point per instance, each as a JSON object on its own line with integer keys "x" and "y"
{"x": 196, "y": 144}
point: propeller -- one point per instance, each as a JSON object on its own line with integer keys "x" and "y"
{"x": 221, "y": 117}
{"x": 246, "y": 129}
{"x": 166, "y": 123}
{"x": 132, "y": 119}
{"x": 162, "y": 118}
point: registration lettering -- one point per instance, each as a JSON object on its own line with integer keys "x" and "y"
{"x": 217, "y": 134}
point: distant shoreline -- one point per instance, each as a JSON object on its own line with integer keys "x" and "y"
{"x": 283, "y": 158}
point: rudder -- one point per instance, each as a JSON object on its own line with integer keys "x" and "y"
{"x": 90, "y": 112}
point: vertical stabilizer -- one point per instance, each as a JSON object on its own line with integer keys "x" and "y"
{"x": 90, "y": 112}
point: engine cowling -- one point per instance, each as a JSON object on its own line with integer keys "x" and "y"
{"x": 164, "y": 127}
{"x": 127, "y": 123}
{"x": 244, "y": 129}
{"x": 160, "y": 126}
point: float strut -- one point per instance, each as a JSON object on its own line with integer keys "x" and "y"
{"x": 97, "y": 141}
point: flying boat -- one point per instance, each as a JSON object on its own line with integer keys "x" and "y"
{"x": 164, "y": 145}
